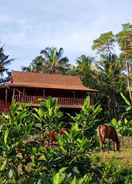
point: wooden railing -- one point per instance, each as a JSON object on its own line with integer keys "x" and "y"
{"x": 62, "y": 101}
{"x": 25, "y": 99}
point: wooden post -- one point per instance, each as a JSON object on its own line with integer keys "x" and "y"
{"x": 13, "y": 95}
{"x": 23, "y": 91}
{"x": 43, "y": 92}
{"x": 19, "y": 94}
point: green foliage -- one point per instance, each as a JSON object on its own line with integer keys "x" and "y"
{"x": 88, "y": 120}
{"x": 62, "y": 178}
{"x": 110, "y": 77}
{"x": 71, "y": 152}
{"x": 51, "y": 60}
{"x": 86, "y": 69}
{"x": 26, "y": 158}
{"x": 48, "y": 116}
{"x": 22, "y": 155}
{"x": 55, "y": 62}
{"x": 104, "y": 43}
{"x": 112, "y": 172}
{"x": 124, "y": 39}
{"x": 37, "y": 65}
{"x": 128, "y": 108}
{"x": 111, "y": 83}
{"x": 15, "y": 128}
{"x": 4, "y": 62}
{"x": 124, "y": 127}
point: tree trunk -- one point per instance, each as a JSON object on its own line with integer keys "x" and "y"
{"x": 128, "y": 82}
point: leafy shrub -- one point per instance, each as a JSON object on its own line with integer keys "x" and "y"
{"x": 113, "y": 173}
{"x": 123, "y": 127}
{"x": 71, "y": 152}
{"x": 48, "y": 116}
{"x": 25, "y": 158}
{"x": 88, "y": 120}
{"x": 17, "y": 125}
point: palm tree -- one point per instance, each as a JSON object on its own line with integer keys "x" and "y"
{"x": 86, "y": 68}
{"x": 54, "y": 61}
{"x": 4, "y": 62}
{"x": 111, "y": 82}
{"x": 37, "y": 65}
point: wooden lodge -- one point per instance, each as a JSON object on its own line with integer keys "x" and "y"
{"x": 30, "y": 87}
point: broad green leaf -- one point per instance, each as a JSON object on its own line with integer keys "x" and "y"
{"x": 6, "y": 136}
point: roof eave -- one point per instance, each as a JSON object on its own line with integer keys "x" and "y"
{"x": 46, "y": 87}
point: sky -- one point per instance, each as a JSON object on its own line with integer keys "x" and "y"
{"x": 28, "y": 26}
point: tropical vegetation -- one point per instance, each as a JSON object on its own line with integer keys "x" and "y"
{"x": 33, "y": 148}
{"x": 4, "y": 63}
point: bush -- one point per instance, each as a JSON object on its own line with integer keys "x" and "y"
{"x": 123, "y": 127}
{"x": 88, "y": 121}
{"x": 48, "y": 116}
{"x": 25, "y": 158}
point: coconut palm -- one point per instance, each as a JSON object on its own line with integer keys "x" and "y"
{"x": 37, "y": 65}
{"x": 111, "y": 82}
{"x": 86, "y": 68}
{"x": 54, "y": 60}
{"x": 4, "y": 62}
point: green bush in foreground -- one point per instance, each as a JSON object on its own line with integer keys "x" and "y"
{"x": 26, "y": 159}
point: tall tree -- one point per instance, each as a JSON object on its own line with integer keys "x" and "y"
{"x": 86, "y": 68}
{"x": 111, "y": 83}
{"x": 111, "y": 80}
{"x": 124, "y": 38}
{"x": 54, "y": 60}
{"x": 4, "y": 63}
{"x": 37, "y": 65}
{"x": 104, "y": 44}
{"x": 51, "y": 60}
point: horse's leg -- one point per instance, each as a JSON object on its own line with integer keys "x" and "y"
{"x": 108, "y": 149}
{"x": 102, "y": 147}
{"x": 102, "y": 144}
{"x": 101, "y": 139}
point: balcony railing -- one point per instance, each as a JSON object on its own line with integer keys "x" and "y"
{"x": 62, "y": 101}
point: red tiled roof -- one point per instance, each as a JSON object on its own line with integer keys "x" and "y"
{"x": 39, "y": 80}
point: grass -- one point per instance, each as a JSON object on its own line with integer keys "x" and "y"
{"x": 124, "y": 156}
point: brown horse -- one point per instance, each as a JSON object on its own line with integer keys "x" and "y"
{"x": 105, "y": 131}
